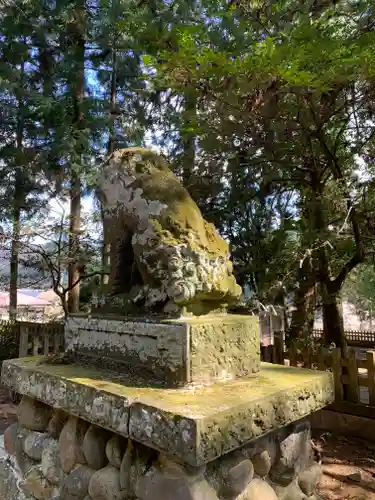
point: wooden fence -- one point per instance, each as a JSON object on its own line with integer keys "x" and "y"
{"x": 20, "y": 338}
{"x": 40, "y": 338}
{"x": 355, "y": 338}
{"x": 354, "y": 378}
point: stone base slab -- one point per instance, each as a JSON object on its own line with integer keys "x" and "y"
{"x": 196, "y": 350}
{"x": 193, "y": 425}
{"x": 52, "y": 455}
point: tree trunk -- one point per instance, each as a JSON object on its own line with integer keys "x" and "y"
{"x": 76, "y": 33}
{"x": 14, "y": 256}
{"x": 189, "y": 138}
{"x": 106, "y": 248}
{"x": 74, "y": 231}
{"x": 302, "y": 322}
{"x": 333, "y": 323}
{"x": 332, "y": 314}
{"x": 303, "y": 314}
{"x": 112, "y": 103}
{"x": 106, "y": 251}
{"x": 333, "y": 326}
{"x": 17, "y": 204}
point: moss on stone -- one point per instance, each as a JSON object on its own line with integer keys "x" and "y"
{"x": 181, "y": 217}
{"x": 168, "y": 253}
{"x": 185, "y": 401}
{"x": 216, "y": 319}
{"x": 181, "y": 220}
{"x": 195, "y": 425}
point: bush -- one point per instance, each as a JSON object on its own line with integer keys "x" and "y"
{"x": 9, "y": 340}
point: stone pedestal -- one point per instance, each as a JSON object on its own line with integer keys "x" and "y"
{"x": 161, "y": 410}
{"x": 197, "y": 350}
{"x": 111, "y": 437}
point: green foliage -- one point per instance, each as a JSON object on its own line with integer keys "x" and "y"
{"x": 360, "y": 290}
{"x": 282, "y": 94}
{"x": 266, "y": 109}
{"x": 9, "y": 340}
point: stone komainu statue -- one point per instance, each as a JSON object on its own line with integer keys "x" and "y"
{"x": 163, "y": 253}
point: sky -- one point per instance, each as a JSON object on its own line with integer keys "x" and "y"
{"x": 58, "y": 208}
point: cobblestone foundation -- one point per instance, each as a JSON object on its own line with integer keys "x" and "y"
{"x": 60, "y": 457}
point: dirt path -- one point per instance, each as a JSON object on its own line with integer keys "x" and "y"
{"x": 349, "y": 468}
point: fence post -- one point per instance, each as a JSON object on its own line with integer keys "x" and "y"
{"x": 321, "y": 360}
{"x": 279, "y": 347}
{"x": 337, "y": 371}
{"x": 307, "y": 357}
{"x": 46, "y": 343}
{"x": 35, "y": 339}
{"x": 56, "y": 342}
{"x": 24, "y": 341}
{"x": 265, "y": 353}
{"x": 293, "y": 355}
{"x": 353, "y": 388}
{"x": 370, "y": 355}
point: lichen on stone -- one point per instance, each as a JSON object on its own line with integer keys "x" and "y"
{"x": 164, "y": 255}
{"x": 278, "y": 466}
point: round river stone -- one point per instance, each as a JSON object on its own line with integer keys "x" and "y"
{"x": 51, "y": 466}
{"x": 94, "y": 447}
{"x": 10, "y": 437}
{"x": 237, "y": 478}
{"x": 259, "y": 490}
{"x": 262, "y": 463}
{"x": 76, "y": 485}
{"x": 115, "y": 450}
{"x": 56, "y": 423}
{"x": 35, "y": 443}
{"x": 37, "y": 485}
{"x": 70, "y": 441}
{"x": 105, "y": 485}
{"x": 33, "y": 414}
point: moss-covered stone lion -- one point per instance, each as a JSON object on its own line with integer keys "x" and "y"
{"x": 163, "y": 253}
